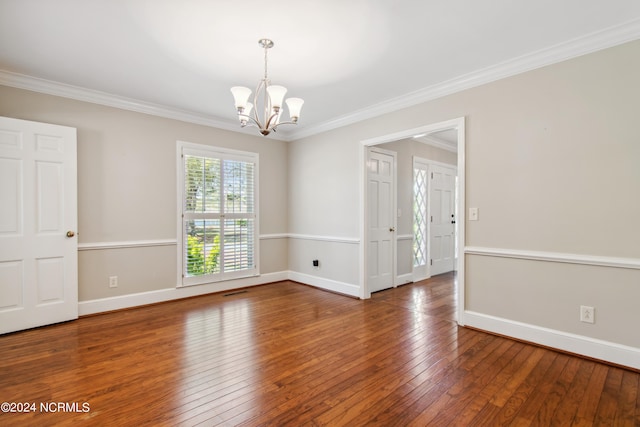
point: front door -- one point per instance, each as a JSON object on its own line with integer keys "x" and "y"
{"x": 442, "y": 227}
{"x": 38, "y": 223}
{"x": 381, "y": 218}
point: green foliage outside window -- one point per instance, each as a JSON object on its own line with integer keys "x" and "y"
{"x": 197, "y": 263}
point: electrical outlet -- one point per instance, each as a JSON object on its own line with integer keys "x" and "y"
{"x": 587, "y": 314}
{"x": 113, "y": 281}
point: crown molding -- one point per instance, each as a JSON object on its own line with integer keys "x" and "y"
{"x": 579, "y": 46}
{"x": 49, "y": 87}
{"x": 599, "y": 40}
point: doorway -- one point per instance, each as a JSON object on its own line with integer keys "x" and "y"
{"x": 457, "y": 125}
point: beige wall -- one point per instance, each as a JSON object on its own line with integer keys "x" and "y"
{"x": 553, "y": 157}
{"x": 127, "y": 188}
{"x": 324, "y": 210}
{"x": 553, "y": 164}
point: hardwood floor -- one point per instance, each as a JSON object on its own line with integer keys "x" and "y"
{"x": 288, "y": 354}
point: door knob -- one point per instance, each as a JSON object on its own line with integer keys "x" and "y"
{"x": 70, "y": 234}
{"x": 392, "y": 229}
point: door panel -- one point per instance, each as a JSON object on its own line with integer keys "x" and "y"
{"x": 38, "y": 205}
{"x": 10, "y": 285}
{"x": 49, "y": 195}
{"x": 50, "y": 279}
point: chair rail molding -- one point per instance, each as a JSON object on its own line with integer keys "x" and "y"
{"x": 567, "y": 258}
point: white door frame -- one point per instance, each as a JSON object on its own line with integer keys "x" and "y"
{"x": 459, "y": 125}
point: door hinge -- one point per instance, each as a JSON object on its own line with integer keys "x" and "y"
{"x": 431, "y": 175}
{"x": 431, "y": 262}
{"x": 431, "y": 218}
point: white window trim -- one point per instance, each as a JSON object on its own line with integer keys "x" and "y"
{"x": 226, "y": 154}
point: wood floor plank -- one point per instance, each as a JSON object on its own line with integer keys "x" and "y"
{"x": 487, "y": 384}
{"x": 566, "y": 411}
{"x": 629, "y": 395}
{"x": 457, "y": 394}
{"x": 429, "y": 374}
{"x": 434, "y": 382}
{"x": 399, "y": 371}
{"x": 606, "y": 412}
{"x": 587, "y": 411}
{"x": 557, "y": 393}
{"x": 287, "y": 354}
{"x": 535, "y": 392}
{"x": 462, "y": 394}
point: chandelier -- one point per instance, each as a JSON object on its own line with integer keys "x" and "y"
{"x": 266, "y": 110}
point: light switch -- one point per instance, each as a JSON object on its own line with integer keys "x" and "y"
{"x": 473, "y": 214}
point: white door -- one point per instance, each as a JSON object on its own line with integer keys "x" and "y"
{"x": 38, "y": 222}
{"x": 442, "y": 226}
{"x": 381, "y": 218}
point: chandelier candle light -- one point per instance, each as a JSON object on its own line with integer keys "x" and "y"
{"x": 270, "y": 96}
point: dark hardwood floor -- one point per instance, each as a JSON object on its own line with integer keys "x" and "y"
{"x": 289, "y": 354}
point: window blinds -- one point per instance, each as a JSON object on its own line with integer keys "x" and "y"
{"x": 219, "y": 216}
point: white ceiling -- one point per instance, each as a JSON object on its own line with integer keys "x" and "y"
{"x": 348, "y": 59}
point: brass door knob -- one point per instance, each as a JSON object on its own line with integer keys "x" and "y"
{"x": 70, "y": 234}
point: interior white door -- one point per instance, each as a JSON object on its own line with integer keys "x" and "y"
{"x": 442, "y": 225}
{"x": 38, "y": 222}
{"x": 381, "y": 218}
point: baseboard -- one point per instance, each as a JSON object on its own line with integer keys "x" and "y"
{"x": 143, "y": 298}
{"x": 328, "y": 284}
{"x": 162, "y": 295}
{"x": 590, "y": 347}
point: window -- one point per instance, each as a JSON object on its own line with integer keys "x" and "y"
{"x": 218, "y": 214}
{"x": 419, "y": 216}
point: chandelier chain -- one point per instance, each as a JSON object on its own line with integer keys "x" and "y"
{"x": 266, "y": 47}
